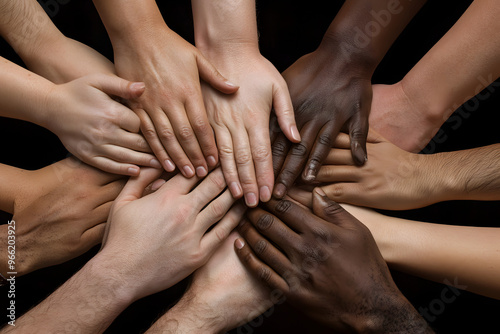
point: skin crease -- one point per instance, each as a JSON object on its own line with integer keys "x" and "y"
{"x": 226, "y": 33}
{"x": 327, "y": 264}
{"x": 177, "y": 235}
{"x": 221, "y": 296}
{"x": 172, "y": 112}
{"x": 60, "y": 213}
{"x": 331, "y": 88}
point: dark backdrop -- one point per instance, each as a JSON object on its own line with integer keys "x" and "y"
{"x": 288, "y": 30}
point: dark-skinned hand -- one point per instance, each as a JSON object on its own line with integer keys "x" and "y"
{"x": 327, "y": 264}
{"x": 328, "y": 95}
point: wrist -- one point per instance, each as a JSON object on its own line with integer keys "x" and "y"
{"x": 223, "y": 55}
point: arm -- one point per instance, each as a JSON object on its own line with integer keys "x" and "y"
{"x": 120, "y": 274}
{"x": 331, "y": 87}
{"x": 95, "y": 128}
{"x": 394, "y": 179}
{"x": 221, "y": 297}
{"x": 460, "y": 256}
{"x": 226, "y": 33}
{"x": 43, "y": 48}
{"x": 172, "y": 112}
{"x": 328, "y": 265}
{"x": 410, "y": 112}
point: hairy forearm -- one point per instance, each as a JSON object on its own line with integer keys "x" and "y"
{"x": 435, "y": 85}
{"x": 466, "y": 175}
{"x": 224, "y": 25}
{"x": 454, "y": 255}
{"x": 363, "y": 30}
{"x": 87, "y": 303}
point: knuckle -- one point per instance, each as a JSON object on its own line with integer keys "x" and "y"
{"x": 283, "y": 206}
{"x": 334, "y": 191}
{"x": 243, "y": 157}
{"x": 264, "y": 274}
{"x": 225, "y": 151}
{"x": 185, "y": 133}
{"x": 326, "y": 139}
{"x": 261, "y": 154}
{"x": 299, "y": 150}
{"x": 265, "y": 222}
{"x": 332, "y": 209}
{"x": 260, "y": 247}
{"x": 279, "y": 149}
{"x": 166, "y": 134}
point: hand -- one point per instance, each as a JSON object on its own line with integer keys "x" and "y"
{"x": 61, "y": 211}
{"x": 157, "y": 240}
{"x": 222, "y": 296}
{"x": 327, "y": 264}
{"x": 172, "y": 113}
{"x": 328, "y": 95}
{"x": 392, "y": 179}
{"x": 401, "y": 119}
{"x": 97, "y": 129}
{"x": 241, "y": 123}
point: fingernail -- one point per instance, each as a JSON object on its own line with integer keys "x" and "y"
{"x": 235, "y": 189}
{"x": 265, "y": 194}
{"x": 188, "y": 171}
{"x": 211, "y": 161}
{"x": 239, "y": 243}
{"x": 251, "y": 199}
{"x": 138, "y": 86}
{"x": 320, "y": 191}
{"x": 201, "y": 171}
{"x": 279, "y": 190}
{"x": 155, "y": 163}
{"x": 309, "y": 175}
{"x": 359, "y": 154}
{"x": 295, "y": 133}
{"x": 133, "y": 171}
{"x": 157, "y": 184}
{"x": 170, "y": 167}
{"x": 230, "y": 84}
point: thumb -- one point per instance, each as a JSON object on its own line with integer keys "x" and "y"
{"x": 116, "y": 86}
{"x": 212, "y": 76}
{"x": 327, "y": 209}
{"x": 135, "y": 186}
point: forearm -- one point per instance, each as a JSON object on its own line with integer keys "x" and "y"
{"x": 435, "y": 85}
{"x": 363, "y": 31}
{"x": 10, "y": 181}
{"x": 87, "y": 303}
{"x": 465, "y": 175}
{"x": 224, "y": 26}
{"x": 23, "y": 95}
{"x": 454, "y": 255}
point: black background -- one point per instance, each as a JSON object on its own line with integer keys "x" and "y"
{"x": 288, "y": 30}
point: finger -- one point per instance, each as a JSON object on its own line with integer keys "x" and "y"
{"x": 133, "y": 141}
{"x": 280, "y": 149}
{"x": 283, "y": 108}
{"x": 134, "y": 188}
{"x": 351, "y": 193}
{"x": 330, "y": 210}
{"x": 273, "y": 229}
{"x": 208, "y": 189}
{"x": 342, "y": 141}
{"x": 330, "y": 174}
{"x": 262, "y": 160}
{"x": 112, "y": 166}
{"x": 188, "y": 141}
{"x": 129, "y": 120}
{"x": 110, "y": 191}
{"x": 213, "y": 239}
{"x": 295, "y": 161}
{"x": 296, "y": 217}
{"x": 203, "y": 131}
{"x": 264, "y": 249}
{"x": 212, "y": 76}
{"x": 125, "y": 155}
{"x": 338, "y": 157}
{"x": 116, "y": 86}
{"x": 258, "y": 269}
{"x": 358, "y": 132}
{"x": 322, "y": 146}
{"x": 92, "y": 237}
{"x": 302, "y": 196}
{"x": 149, "y": 132}
{"x": 215, "y": 211}
{"x": 245, "y": 166}
{"x": 226, "y": 156}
